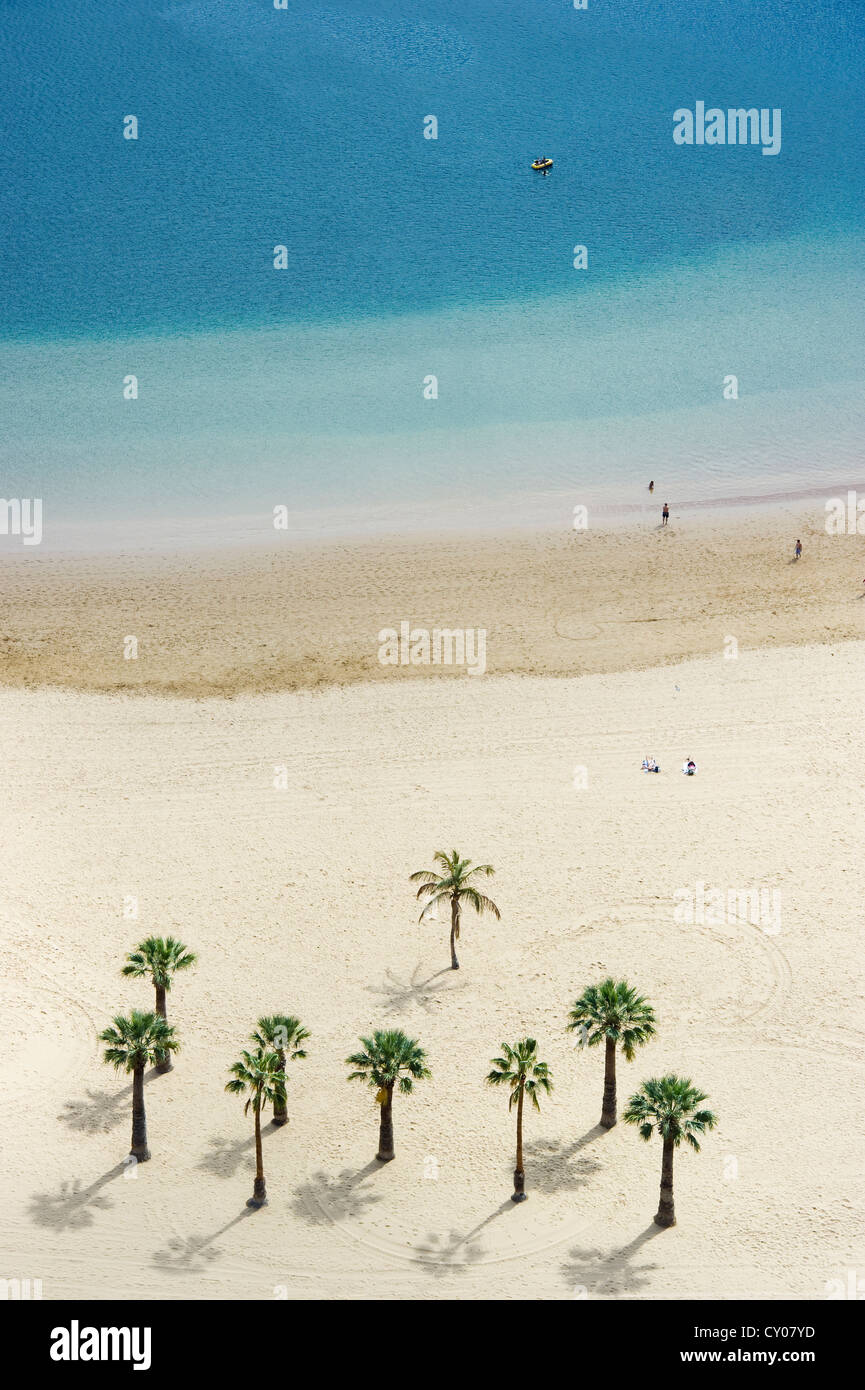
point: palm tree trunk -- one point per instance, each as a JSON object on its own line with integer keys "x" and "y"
{"x": 163, "y": 1059}
{"x": 385, "y": 1129}
{"x": 259, "y": 1191}
{"x": 280, "y": 1107}
{"x": 666, "y": 1213}
{"x": 455, "y": 930}
{"x": 608, "y": 1110}
{"x": 139, "y": 1150}
{"x": 519, "y": 1193}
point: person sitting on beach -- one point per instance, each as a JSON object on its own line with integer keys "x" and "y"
{"x": 689, "y": 767}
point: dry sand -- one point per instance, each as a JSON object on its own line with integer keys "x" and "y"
{"x": 298, "y": 900}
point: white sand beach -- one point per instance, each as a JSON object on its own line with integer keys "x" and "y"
{"x": 298, "y": 899}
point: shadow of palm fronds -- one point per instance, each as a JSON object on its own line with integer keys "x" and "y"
{"x": 327, "y": 1199}
{"x": 73, "y": 1205}
{"x": 226, "y": 1156}
{"x": 555, "y": 1165}
{"x": 100, "y": 1112}
{"x": 594, "y": 1274}
{"x": 456, "y": 1251}
{"x": 194, "y": 1252}
{"x": 397, "y": 996}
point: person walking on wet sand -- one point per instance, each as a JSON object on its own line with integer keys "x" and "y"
{"x": 798, "y": 549}
{"x": 665, "y": 515}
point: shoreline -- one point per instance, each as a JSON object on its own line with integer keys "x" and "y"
{"x": 167, "y": 537}
{"x": 295, "y": 616}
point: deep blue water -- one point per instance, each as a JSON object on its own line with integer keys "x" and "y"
{"x": 304, "y": 128}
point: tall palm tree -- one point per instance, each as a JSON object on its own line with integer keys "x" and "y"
{"x": 257, "y": 1073}
{"x": 388, "y": 1057}
{"x": 453, "y": 883}
{"x": 136, "y": 1041}
{"x": 669, "y": 1105}
{"x": 520, "y": 1070}
{"x": 284, "y": 1033}
{"x": 612, "y": 1012}
{"x": 160, "y": 957}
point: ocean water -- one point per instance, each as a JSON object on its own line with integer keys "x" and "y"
{"x": 409, "y": 258}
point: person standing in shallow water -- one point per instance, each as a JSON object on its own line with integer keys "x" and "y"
{"x": 665, "y": 515}
{"x": 652, "y": 485}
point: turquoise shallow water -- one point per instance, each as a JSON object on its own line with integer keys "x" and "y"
{"x": 409, "y": 257}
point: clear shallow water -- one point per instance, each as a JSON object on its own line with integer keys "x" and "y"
{"x": 409, "y": 257}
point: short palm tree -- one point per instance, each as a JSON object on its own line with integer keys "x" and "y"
{"x": 159, "y": 957}
{"x": 136, "y": 1041}
{"x": 258, "y": 1074}
{"x": 669, "y": 1104}
{"x": 612, "y": 1012}
{"x": 388, "y": 1057}
{"x": 284, "y": 1034}
{"x": 452, "y": 882}
{"x": 519, "y": 1069}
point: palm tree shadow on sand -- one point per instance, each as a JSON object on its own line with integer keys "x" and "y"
{"x": 396, "y": 996}
{"x": 73, "y": 1206}
{"x": 194, "y": 1253}
{"x": 457, "y": 1251}
{"x": 228, "y": 1156}
{"x": 555, "y": 1166}
{"x": 101, "y": 1112}
{"x": 326, "y": 1199}
{"x": 592, "y": 1273}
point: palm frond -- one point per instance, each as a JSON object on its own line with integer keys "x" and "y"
{"x": 426, "y": 877}
{"x": 259, "y": 1074}
{"x": 390, "y": 1057}
{"x": 520, "y": 1069}
{"x": 668, "y": 1105}
{"x": 453, "y": 882}
{"x": 612, "y": 1010}
{"x": 137, "y": 1039}
{"x": 160, "y": 958}
{"x": 481, "y": 903}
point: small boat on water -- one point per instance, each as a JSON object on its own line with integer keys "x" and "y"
{"x": 542, "y": 164}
